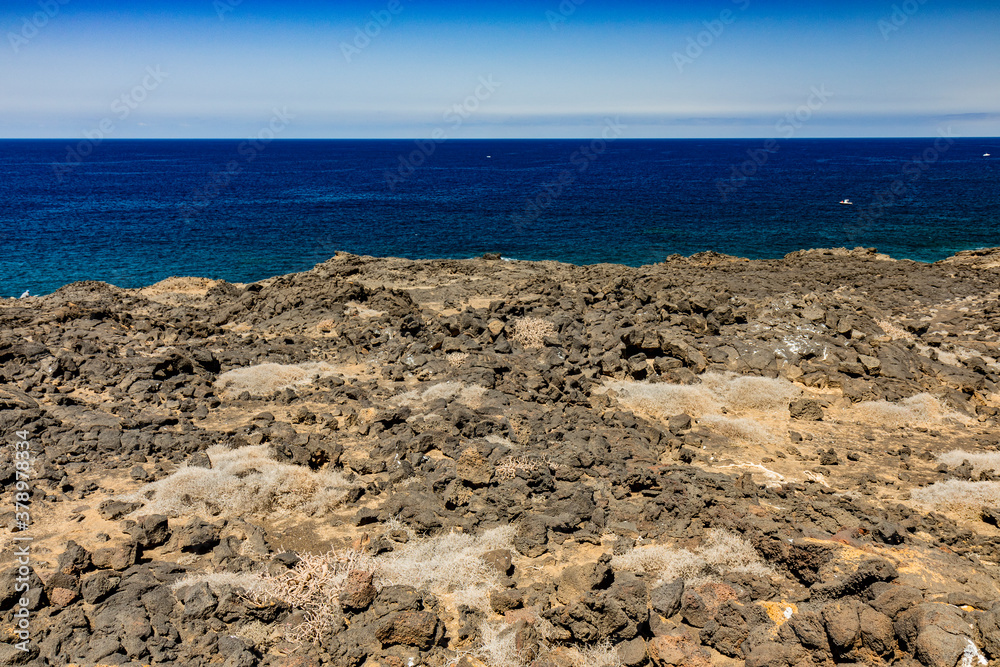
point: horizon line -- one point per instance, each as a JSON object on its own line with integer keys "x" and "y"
{"x": 457, "y": 139}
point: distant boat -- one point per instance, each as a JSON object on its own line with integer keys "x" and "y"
{"x": 847, "y": 202}
{"x": 986, "y": 154}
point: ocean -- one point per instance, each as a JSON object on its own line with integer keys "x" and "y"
{"x": 133, "y": 212}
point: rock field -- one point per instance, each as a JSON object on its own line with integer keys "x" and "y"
{"x": 490, "y": 463}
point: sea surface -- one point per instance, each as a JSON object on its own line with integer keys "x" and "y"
{"x": 135, "y": 212}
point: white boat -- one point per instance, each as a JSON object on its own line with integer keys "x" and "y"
{"x": 847, "y": 202}
{"x": 986, "y": 154}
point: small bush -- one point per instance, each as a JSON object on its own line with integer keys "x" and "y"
{"x": 498, "y": 647}
{"x": 715, "y": 394}
{"x": 241, "y": 482}
{"x": 449, "y": 565}
{"x": 721, "y": 553}
{"x": 749, "y": 392}
{"x": 265, "y": 379}
{"x": 531, "y": 332}
{"x": 469, "y": 395}
{"x": 981, "y": 461}
{"x": 736, "y": 428}
{"x": 965, "y": 498}
{"x": 598, "y": 655}
{"x": 894, "y": 331}
{"x": 919, "y": 409}
{"x": 314, "y": 586}
{"x": 663, "y": 401}
{"x": 508, "y": 466}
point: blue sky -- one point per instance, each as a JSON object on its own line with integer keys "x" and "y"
{"x": 732, "y": 68}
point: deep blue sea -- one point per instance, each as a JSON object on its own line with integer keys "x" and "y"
{"x": 134, "y": 212}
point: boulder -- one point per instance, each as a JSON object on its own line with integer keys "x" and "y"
{"x": 421, "y": 629}
{"x": 805, "y": 410}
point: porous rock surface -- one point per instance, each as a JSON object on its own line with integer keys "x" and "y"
{"x": 119, "y": 388}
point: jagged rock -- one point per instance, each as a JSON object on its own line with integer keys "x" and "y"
{"x": 504, "y": 600}
{"x": 575, "y": 581}
{"x": 97, "y": 586}
{"x": 805, "y": 410}
{"x": 845, "y": 578}
{"x": 358, "y": 592}
{"x": 842, "y": 624}
{"x": 677, "y": 649}
{"x": 897, "y": 599}
{"x": 421, "y": 629}
{"x": 935, "y": 634}
{"x": 988, "y": 625}
{"x": 877, "y": 632}
{"x": 13, "y": 581}
{"x": 74, "y": 560}
{"x": 119, "y": 557}
{"x": 665, "y": 600}
{"x": 197, "y": 535}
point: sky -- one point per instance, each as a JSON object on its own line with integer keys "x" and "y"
{"x": 451, "y": 68}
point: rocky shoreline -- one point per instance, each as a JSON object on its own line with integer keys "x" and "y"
{"x": 396, "y": 463}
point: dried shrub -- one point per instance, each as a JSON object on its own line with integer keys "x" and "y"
{"x": 717, "y": 401}
{"x": 470, "y": 395}
{"x": 662, "y": 401}
{"x": 449, "y": 565}
{"x": 217, "y": 580}
{"x": 265, "y": 379}
{"x": 715, "y": 394}
{"x": 531, "y": 332}
{"x": 919, "y": 409}
{"x": 964, "y": 498}
{"x": 749, "y": 392}
{"x": 981, "y": 461}
{"x": 721, "y": 553}
{"x": 498, "y": 647}
{"x": 737, "y": 428}
{"x": 894, "y": 331}
{"x": 241, "y": 482}
{"x": 507, "y": 467}
{"x": 602, "y": 654}
{"x": 313, "y": 586}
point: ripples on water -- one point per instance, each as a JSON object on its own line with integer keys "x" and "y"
{"x": 134, "y": 212}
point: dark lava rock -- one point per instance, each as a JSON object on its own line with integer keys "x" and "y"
{"x": 421, "y": 629}
{"x": 198, "y": 536}
{"x": 806, "y": 410}
{"x": 112, "y": 510}
{"x": 358, "y": 592}
{"x": 665, "y": 600}
{"x": 98, "y": 585}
